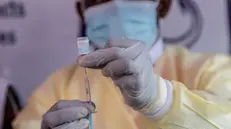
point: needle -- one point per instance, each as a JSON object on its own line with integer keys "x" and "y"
{"x": 87, "y": 86}
{"x": 88, "y": 95}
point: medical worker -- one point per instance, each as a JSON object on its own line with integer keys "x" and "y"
{"x": 135, "y": 83}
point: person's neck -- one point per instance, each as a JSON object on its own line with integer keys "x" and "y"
{"x": 157, "y": 50}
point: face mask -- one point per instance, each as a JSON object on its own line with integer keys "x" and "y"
{"x": 117, "y": 19}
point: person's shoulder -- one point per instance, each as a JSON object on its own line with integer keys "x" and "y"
{"x": 175, "y": 48}
{"x": 176, "y": 51}
{"x": 180, "y": 52}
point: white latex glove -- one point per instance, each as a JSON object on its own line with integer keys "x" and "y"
{"x": 128, "y": 64}
{"x": 68, "y": 114}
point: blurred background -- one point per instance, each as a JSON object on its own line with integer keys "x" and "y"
{"x": 39, "y": 36}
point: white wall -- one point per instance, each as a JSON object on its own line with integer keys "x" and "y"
{"x": 46, "y": 41}
{"x": 46, "y": 38}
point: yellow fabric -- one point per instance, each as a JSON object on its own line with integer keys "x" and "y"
{"x": 201, "y": 83}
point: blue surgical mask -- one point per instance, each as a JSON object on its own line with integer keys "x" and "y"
{"x": 117, "y": 19}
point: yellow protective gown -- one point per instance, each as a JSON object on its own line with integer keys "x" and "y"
{"x": 201, "y": 83}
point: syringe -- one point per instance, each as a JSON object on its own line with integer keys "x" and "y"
{"x": 88, "y": 96}
{"x": 83, "y": 47}
{"x": 87, "y": 86}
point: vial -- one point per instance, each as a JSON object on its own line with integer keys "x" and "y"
{"x": 83, "y": 45}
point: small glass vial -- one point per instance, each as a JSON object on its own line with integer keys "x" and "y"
{"x": 83, "y": 45}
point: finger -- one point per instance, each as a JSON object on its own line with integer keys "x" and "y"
{"x": 103, "y": 56}
{"x": 124, "y": 66}
{"x": 72, "y": 103}
{"x": 99, "y": 57}
{"x": 67, "y": 115}
{"x": 81, "y": 124}
{"x": 121, "y": 42}
{"x": 133, "y": 51}
{"x": 132, "y": 47}
{"x": 119, "y": 67}
{"x": 44, "y": 125}
{"x": 132, "y": 82}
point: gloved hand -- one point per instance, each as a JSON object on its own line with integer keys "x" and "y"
{"x": 128, "y": 64}
{"x": 68, "y": 114}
